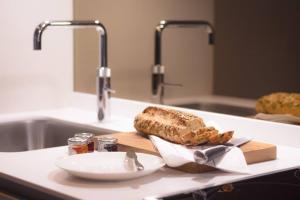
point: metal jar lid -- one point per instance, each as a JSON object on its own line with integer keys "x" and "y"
{"x": 84, "y": 135}
{"x": 77, "y": 140}
{"x": 107, "y": 139}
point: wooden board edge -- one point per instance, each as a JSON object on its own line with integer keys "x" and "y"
{"x": 266, "y": 154}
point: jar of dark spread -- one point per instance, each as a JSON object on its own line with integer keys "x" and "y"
{"x": 107, "y": 144}
{"x": 90, "y": 140}
{"x": 77, "y": 145}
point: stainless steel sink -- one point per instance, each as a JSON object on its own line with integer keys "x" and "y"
{"x": 220, "y": 108}
{"x": 38, "y": 133}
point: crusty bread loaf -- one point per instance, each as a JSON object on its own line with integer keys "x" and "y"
{"x": 178, "y": 127}
{"x": 279, "y": 103}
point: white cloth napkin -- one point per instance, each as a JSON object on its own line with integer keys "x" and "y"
{"x": 176, "y": 155}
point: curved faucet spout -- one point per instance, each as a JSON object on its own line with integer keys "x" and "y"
{"x": 37, "y": 37}
{"x": 180, "y": 24}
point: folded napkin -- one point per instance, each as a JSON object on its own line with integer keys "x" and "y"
{"x": 176, "y": 155}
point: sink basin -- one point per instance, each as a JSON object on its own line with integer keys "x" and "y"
{"x": 38, "y": 133}
{"x": 220, "y": 108}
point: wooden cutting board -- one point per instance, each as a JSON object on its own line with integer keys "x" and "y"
{"x": 254, "y": 151}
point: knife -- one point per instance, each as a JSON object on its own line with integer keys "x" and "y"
{"x": 209, "y": 154}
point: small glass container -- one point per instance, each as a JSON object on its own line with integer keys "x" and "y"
{"x": 77, "y": 145}
{"x": 90, "y": 140}
{"x": 107, "y": 144}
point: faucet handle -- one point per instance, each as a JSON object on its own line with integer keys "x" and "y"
{"x": 159, "y": 97}
{"x": 112, "y": 91}
{"x": 172, "y": 84}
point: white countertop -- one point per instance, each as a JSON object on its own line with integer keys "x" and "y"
{"x": 37, "y": 169}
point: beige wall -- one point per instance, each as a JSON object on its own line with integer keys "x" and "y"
{"x": 258, "y": 47}
{"x": 130, "y": 23}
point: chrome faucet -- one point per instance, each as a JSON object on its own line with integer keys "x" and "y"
{"x": 158, "y": 70}
{"x": 103, "y": 72}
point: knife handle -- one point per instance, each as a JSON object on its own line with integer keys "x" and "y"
{"x": 205, "y": 156}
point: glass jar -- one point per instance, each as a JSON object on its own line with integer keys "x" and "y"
{"x": 90, "y": 140}
{"x": 107, "y": 144}
{"x": 77, "y": 145}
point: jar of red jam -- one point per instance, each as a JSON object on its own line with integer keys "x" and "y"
{"x": 77, "y": 145}
{"x": 90, "y": 140}
{"x": 107, "y": 144}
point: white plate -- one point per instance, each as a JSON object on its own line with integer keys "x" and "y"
{"x": 284, "y": 118}
{"x": 107, "y": 165}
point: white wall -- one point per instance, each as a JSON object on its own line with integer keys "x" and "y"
{"x": 34, "y": 79}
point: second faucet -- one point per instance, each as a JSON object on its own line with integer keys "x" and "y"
{"x": 158, "y": 70}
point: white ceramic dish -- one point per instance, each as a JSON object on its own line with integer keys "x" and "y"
{"x": 284, "y": 118}
{"x": 107, "y": 165}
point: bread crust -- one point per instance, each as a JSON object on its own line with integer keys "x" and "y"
{"x": 178, "y": 127}
{"x": 279, "y": 103}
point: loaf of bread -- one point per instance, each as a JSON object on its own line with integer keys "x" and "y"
{"x": 279, "y": 103}
{"x": 178, "y": 127}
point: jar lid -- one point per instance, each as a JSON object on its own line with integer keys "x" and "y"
{"x": 84, "y": 135}
{"x": 77, "y": 140}
{"x": 108, "y": 139}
